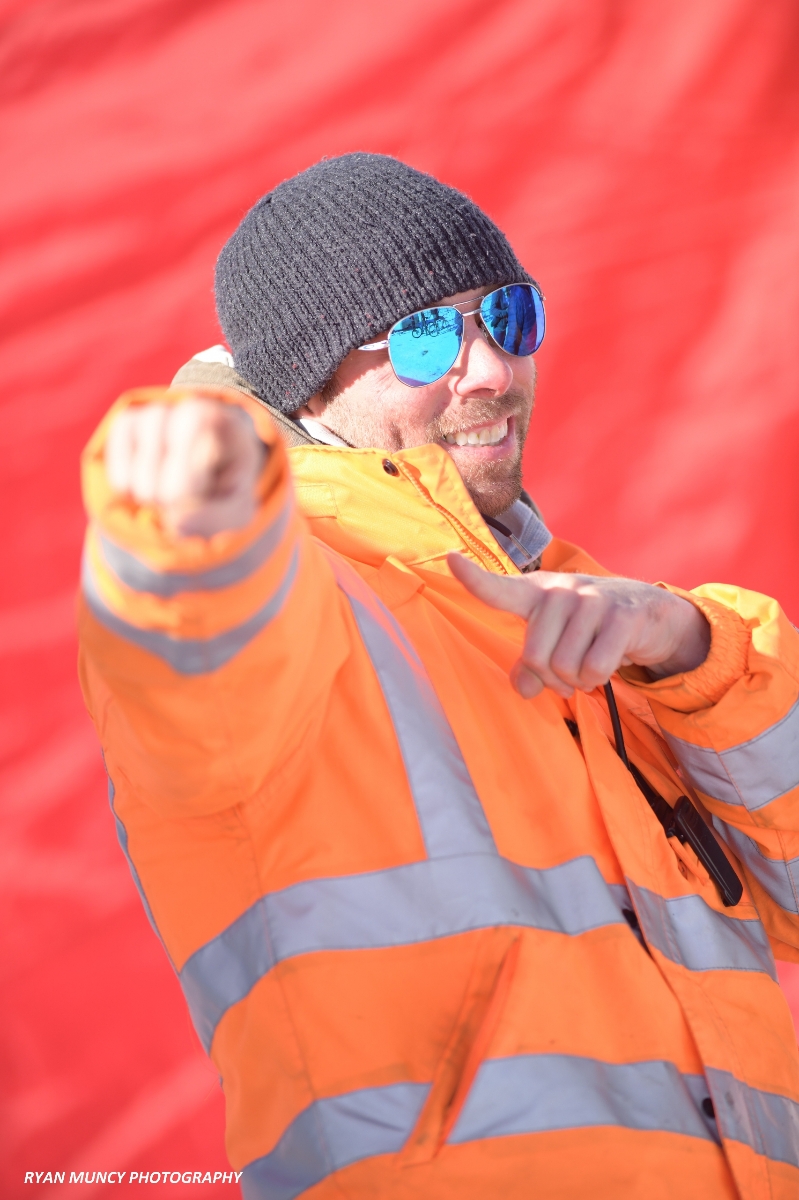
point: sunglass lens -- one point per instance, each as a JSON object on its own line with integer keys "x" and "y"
{"x": 514, "y": 316}
{"x": 423, "y": 346}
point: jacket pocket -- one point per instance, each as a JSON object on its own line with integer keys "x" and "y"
{"x": 486, "y": 993}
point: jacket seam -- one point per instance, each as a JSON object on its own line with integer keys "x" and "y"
{"x": 739, "y": 1073}
{"x": 242, "y": 818}
{"x": 788, "y": 872}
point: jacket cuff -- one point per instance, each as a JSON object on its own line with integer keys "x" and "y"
{"x": 726, "y": 661}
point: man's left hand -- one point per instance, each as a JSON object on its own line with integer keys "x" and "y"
{"x": 582, "y": 628}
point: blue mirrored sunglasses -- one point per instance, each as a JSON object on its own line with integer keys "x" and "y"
{"x": 425, "y": 345}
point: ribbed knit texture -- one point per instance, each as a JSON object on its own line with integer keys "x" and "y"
{"x": 336, "y": 255}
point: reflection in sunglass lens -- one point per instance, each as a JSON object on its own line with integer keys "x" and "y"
{"x": 514, "y": 316}
{"x": 423, "y": 346}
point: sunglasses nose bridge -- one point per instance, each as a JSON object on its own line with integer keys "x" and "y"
{"x": 461, "y": 337}
{"x": 472, "y": 312}
{"x": 481, "y": 363}
{"x": 484, "y": 330}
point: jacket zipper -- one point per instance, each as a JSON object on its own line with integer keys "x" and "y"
{"x": 472, "y": 541}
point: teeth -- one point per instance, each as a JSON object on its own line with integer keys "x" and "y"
{"x": 491, "y": 435}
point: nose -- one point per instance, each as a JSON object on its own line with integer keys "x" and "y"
{"x": 481, "y": 369}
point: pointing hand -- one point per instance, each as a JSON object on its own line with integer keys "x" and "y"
{"x": 582, "y": 628}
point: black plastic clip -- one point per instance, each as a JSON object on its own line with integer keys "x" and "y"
{"x": 682, "y": 821}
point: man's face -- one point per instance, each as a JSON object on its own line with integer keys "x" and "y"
{"x": 484, "y": 401}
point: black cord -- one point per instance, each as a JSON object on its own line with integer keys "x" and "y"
{"x": 616, "y": 723}
{"x": 503, "y": 529}
{"x": 682, "y": 821}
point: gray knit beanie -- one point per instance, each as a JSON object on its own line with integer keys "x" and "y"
{"x": 337, "y": 254}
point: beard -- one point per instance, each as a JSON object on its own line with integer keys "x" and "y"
{"x": 493, "y": 486}
{"x": 496, "y": 484}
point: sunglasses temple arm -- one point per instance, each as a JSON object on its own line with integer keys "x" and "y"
{"x": 374, "y": 345}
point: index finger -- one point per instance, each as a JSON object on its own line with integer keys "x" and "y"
{"x": 119, "y": 452}
{"x": 511, "y": 593}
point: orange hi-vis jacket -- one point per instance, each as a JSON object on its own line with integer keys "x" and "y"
{"x": 437, "y": 945}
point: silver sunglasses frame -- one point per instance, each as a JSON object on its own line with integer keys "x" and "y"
{"x": 473, "y": 312}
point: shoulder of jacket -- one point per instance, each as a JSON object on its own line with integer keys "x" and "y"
{"x": 202, "y": 371}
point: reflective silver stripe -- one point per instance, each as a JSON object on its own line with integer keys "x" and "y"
{"x": 136, "y": 574}
{"x": 753, "y": 773}
{"x": 331, "y": 1134}
{"x": 767, "y": 1122}
{"x": 536, "y": 1093}
{"x": 122, "y": 837}
{"x": 622, "y": 898}
{"x": 779, "y": 876}
{"x": 449, "y": 810}
{"x": 527, "y": 1094}
{"x": 620, "y": 894}
{"x": 190, "y": 656}
{"x": 688, "y": 931}
{"x": 704, "y": 769}
{"x": 415, "y": 903}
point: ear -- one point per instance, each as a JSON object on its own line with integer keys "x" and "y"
{"x": 314, "y": 407}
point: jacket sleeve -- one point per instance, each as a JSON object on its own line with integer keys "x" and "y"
{"x": 733, "y": 726}
{"x": 204, "y": 661}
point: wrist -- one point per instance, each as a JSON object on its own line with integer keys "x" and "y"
{"x": 705, "y": 685}
{"x": 692, "y": 643}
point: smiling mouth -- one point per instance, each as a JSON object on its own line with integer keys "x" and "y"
{"x": 489, "y": 435}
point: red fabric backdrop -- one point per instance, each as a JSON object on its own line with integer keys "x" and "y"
{"x": 643, "y": 159}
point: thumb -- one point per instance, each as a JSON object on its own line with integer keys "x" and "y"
{"x": 513, "y": 594}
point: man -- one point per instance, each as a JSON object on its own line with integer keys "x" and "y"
{"x": 372, "y": 787}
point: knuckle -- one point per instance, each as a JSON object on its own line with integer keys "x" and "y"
{"x": 592, "y": 677}
{"x": 535, "y": 658}
{"x": 568, "y": 674}
{"x": 598, "y": 668}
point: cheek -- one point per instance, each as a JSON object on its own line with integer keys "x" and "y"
{"x": 413, "y": 408}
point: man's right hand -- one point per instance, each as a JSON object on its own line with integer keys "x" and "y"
{"x": 198, "y": 461}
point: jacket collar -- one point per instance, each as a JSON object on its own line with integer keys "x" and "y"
{"x": 415, "y": 510}
{"x": 522, "y": 534}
